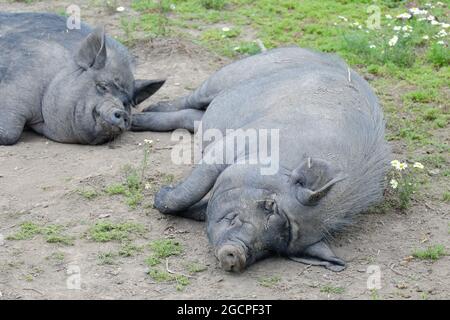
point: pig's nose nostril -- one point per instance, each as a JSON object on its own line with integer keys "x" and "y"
{"x": 232, "y": 258}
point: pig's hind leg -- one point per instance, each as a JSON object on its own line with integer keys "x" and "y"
{"x": 199, "y": 100}
{"x": 166, "y": 121}
{"x": 11, "y": 127}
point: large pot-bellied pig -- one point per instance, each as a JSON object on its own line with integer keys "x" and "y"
{"x": 72, "y": 86}
{"x": 332, "y": 157}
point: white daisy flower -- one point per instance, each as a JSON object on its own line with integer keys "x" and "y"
{"x": 372, "y": 46}
{"x": 402, "y": 166}
{"x": 395, "y": 163}
{"x": 120, "y": 9}
{"x": 404, "y": 16}
{"x": 225, "y": 29}
{"x": 425, "y": 37}
{"x": 393, "y": 41}
{"x": 393, "y": 183}
{"x": 397, "y": 28}
{"x": 148, "y": 142}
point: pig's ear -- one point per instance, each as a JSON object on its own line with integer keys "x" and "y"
{"x": 92, "y": 52}
{"x": 313, "y": 179}
{"x": 143, "y": 89}
{"x": 320, "y": 254}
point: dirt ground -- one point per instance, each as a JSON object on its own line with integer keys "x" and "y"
{"x": 39, "y": 179}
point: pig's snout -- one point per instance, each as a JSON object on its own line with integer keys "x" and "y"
{"x": 121, "y": 119}
{"x": 232, "y": 258}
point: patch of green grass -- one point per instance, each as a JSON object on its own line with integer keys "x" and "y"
{"x": 88, "y": 193}
{"x": 115, "y": 189}
{"x": 269, "y": 282}
{"x": 446, "y": 196}
{"x": 437, "y": 161}
{"x": 52, "y": 233}
{"x": 132, "y": 188}
{"x": 28, "y": 230}
{"x": 152, "y": 261}
{"x": 107, "y": 231}
{"x": 160, "y": 275}
{"x": 431, "y": 253}
{"x": 107, "y": 258}
{"x": 438, "y": 55}
{"x": 195, "y": 267}
{"x": 165, "y": 248}
{"x": 130, "y": 250}
{"x": 213, "y": 4}
{"x": 329, "y": 289}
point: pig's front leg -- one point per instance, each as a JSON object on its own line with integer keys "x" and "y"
{"x": 179, "y": 199}
{"x": 166, "y": 121}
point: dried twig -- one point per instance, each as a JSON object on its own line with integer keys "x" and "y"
{"x": 32, "y": 289}
{"x": 176, "y": 273}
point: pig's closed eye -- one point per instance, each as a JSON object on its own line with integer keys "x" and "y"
{"x": 101, "y": 87}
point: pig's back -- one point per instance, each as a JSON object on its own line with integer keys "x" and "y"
{"x": 319, "y": 110}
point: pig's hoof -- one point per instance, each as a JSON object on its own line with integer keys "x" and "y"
{"x": 161, "y": 200}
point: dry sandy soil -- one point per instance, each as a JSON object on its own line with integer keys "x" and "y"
{"x": 39, "y": 180}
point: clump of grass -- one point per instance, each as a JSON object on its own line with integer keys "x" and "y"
{"x": 152, "y": 261}
{"x": 269, "y": 282}
{"x": 107, "y": 258}
{"x": 446, "y": 196}
{"x": 332, "y": 289}
{"x": 165, "y": 248}
{"x": 439, "y": 55}
{"x": 133, "y": 186}
{"x": 88, "y": 193}
{"x": 28, "y": 230}
{"x": 213, "y": 4}
{"x": 163, "y": 276}
{"x": 130, "y": 250}
{"x": 431, "y": 253}
{"x": 195, "y": 267}
{"x": 107, "y": 231}
{"x": 52, "y": 233}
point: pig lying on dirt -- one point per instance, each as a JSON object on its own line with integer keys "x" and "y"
{"x": 72, "y": 86}
{"x": 332, "y": 157}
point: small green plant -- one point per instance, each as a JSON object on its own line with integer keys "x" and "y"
{"x": 332, "y": 290}
{"x": 269, "y": 282}
{"x": 431, "y": 253}
{"x": 374, "y": 295}
{"x": 130, "y": 250}
{"x": 106, "y": 258}
{"x": 403, "y": 183}
{"x": 107, "y": 231}
{"x": 439, "y": 55}
{"x": 166, "y": 248}
{"x": 52, "y": 233}
{"x": 27, "y": 231}
{"x": 446, "y": 196}
{"x": 213, "y": 4}
{"x": 195, "y": 267}
{"x": 134, "y": 185}
{"x": 163, "y": 276}
{"x": 88, "y": 193}
{"x": 152, "y": 261}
